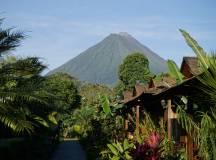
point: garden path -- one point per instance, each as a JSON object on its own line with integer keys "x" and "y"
{"x": 69, "y": 150}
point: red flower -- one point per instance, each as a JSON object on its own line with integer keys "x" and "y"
{"x": 149, "y": 149}
{"x": 153, "y": 140}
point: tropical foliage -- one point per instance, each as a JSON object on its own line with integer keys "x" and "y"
{"x": 174, "y": 71}
{"x": 202, "y": 127}
{"x": 30, "y": 104}
{"x": 149, "y": 142}
{"x": 135, "y": 67}
{"x": 21, "y": 85}
{"x": 120, "y": 151}
{"x": 20, "y": 91}
{"x": 9, "y": 39}
{"x": 99, "y": 124}
{"x": 63, "y": 87}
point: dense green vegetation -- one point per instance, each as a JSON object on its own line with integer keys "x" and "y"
{"x": 31, "y": 105}
{"x": 202, "y": 126}
{"x": 36, "y": 110}
{"x": 134, "y": 69}
{"x": 151, "y": 141}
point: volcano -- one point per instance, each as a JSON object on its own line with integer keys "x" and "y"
{"x": 99, "y": 63}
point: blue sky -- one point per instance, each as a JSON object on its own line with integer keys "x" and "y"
{"x": 59, "y": 30}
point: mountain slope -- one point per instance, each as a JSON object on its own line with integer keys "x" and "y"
{"x": 99, "y": 64}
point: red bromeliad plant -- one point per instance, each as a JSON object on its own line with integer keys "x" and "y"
{"x": 148, "y": 150}
{"x": 153, "y": 140}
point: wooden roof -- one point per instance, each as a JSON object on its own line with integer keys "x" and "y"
{"x": 152, "y": 94}
{"x": 166, "y": 85}
{"x": 152, "y": 88}
{"x": 193, "y": 65}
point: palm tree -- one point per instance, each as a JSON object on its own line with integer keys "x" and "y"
{"x": 23, "y": 100}
{"x": 20, "y": 93}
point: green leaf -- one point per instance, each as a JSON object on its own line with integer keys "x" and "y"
{"x": 174, "y": 71}
{"x": 105, "y": 104}
{"x": 201, "y": 55}
{"x": 120, "y": 147}
{"x": 115, "y": 158}
{"x": 113, "y": 149}
{"x": 52, "y": 118}
{"x": 127, "y": 156}
{"x": 118, "y": 106}
{"x": 126, "y": 144}
{"x": 41, "y": 121}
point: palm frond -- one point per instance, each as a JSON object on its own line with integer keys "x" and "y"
{"x": 9, "y": 40}
{"x": 23, "y": 67}
{"x": 207, "y": 79}
{"x": 17, "y": 122}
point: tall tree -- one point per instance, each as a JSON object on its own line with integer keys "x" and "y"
{"x": 135, "y": 67}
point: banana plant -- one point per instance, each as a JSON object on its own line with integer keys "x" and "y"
{"x": 108, "y": 108}
{"x": 203, "y": 131}
{"x": 105, "y": 103}
{"x": 198, "y": 50}
{"x": 174, "y": 71}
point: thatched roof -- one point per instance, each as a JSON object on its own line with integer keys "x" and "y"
{"x": 162, "y": 90}
{"x": 193, "y": 64}
{"x": 153, "y": 87}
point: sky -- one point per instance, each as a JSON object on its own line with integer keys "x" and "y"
{"x": 58, "y": 30}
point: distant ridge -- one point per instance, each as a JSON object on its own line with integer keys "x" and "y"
{"x": 99, "y": 63}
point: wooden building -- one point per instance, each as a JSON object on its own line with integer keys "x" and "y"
{"x": 158, "y": 97}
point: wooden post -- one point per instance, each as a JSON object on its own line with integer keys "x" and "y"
{"x": 165, "y": 118}
{"x": 137, "y": 118}
{"x": 189, "y": 147}
{"x": 126, "y": 125}
{"x": 169, "y": 116}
